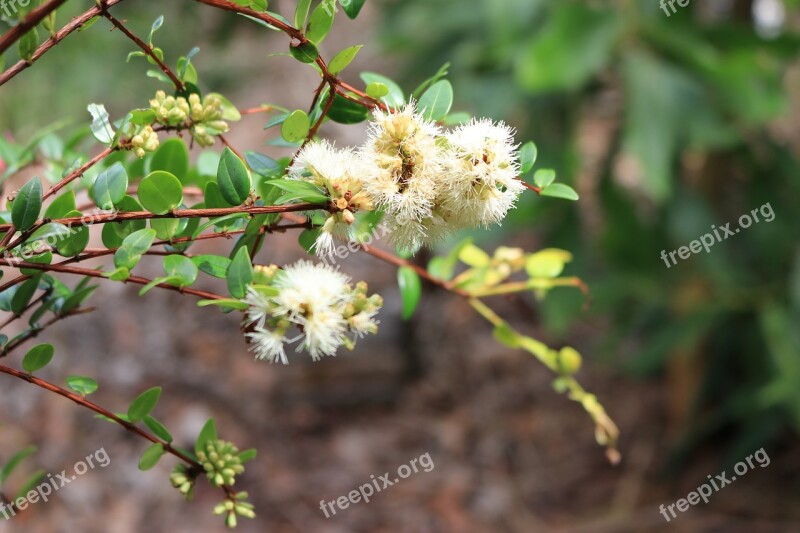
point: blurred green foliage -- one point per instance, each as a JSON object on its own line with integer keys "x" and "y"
{"x": 666, "y": 125}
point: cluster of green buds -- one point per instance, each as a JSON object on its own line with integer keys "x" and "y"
{"x": 360, "y": 312}
{"x": 221, "y": 461}
{"x": 233, "y": 507}
{"x": 145, "y": 141}
{"x": 182, "y": 479}
{"x": 202, "y": 116}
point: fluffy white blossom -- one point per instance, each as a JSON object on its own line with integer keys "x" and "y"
{"x": 403, "y": 168}
{"x": 337, "y": 172}
{"x": 318, "y": 301}
{"x": 482, "y": 168}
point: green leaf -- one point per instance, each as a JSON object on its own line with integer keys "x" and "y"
{"x": 301, "y": 13}
{"x": 436, "y": 102}
{"x": 82, "y": 385}
{"x": 15, "y": 461}
{"x": 296, "y": 126}
{"x": 111, "y": 186}
{"x": 474, "y": 256}
{"x": 158, "y": 429}
{"x": 559, "y": 190}
{"x": 133, "y": 247}
{"x": 160, "y": 192}
{"x": 144, "y": 404}
{"x": 248, "y": 455}
{"x": 240, "y": 273}
{"x": 441, "y": 73}
{"x": 181, "y": 268}
{"x": 343, "y": 59}
{"x": 548, "y": 263}
{"x": 23, "y": 295}
{"x": 27, "y": 205}
{"x": 410, "y": 290}
{"x": 151, "y": 457}
{"x": 77, "y": 298}
{"x": 172, "y": 156}
{"x": 208, "y": 433}
{"x": 352, "y": 7}
{"x": 101, "y": 125}
{"x": 263, "y": 165}
{"x": 544, "y": 177}
{"x": 227, "y": 303}
{"x": 166, "y": 228}
{"x": 377, "y": 90}
{"x": 77, "y": 241}
{"x": 527, "y": 157}
{"x": 395, "y": 98}
{"x": 63, "y": 204}
{"x": 319, "y": 26}
{"x": 213, "y": 265}
{"x": 305, "y": 53}
{"x": 28, "y": 44}
{"x": 38, "y": 357}
{"x": 345, "y": 111}
{"x": 233, "y": 178}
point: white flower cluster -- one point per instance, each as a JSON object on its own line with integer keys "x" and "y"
{"x": 316, "y": 300}
{"x": 429, "y": 182}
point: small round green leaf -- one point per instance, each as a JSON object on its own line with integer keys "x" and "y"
{"x": 160, "y": 192}
{"x": 305, "y": 53}
{"x": 82, "y": 385}
{"x": 296, "y": 126}
{"x": 38, "y": 357}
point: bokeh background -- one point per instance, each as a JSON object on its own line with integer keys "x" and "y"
{"x": 664, "y": 124}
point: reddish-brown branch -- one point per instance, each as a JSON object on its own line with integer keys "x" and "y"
{"x": 83, "y": 402}
{"x": 178, "y": 213}
{"x": 97, "y": 274}
{"x": 78, "y": 173}
{"x": 146, "y": 48}
{"x": 76, "y": 24}
{"x": 400, "y": 262}
{"x": 28, "y": 23}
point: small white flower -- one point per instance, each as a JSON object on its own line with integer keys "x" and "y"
{"x": 364, "y": 323}
{"x": 319, "y": 301}
{"x": 259, "y": 307}
{"x": 268, "y": 345}
{"x": 482, "y": 169}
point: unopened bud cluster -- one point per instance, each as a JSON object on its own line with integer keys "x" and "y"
{"x": 233, "y": 507}
{"x": 202, "y": 116}
{"x": 221, "y": 461}
{"x": 145, "y": 141}
{"x": 182, "y": 480}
